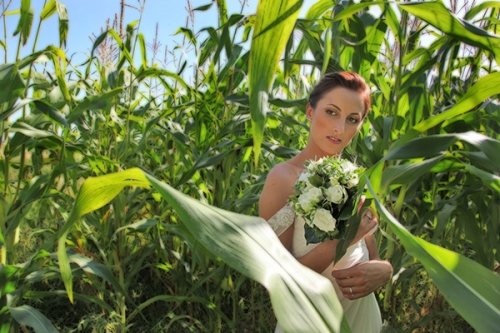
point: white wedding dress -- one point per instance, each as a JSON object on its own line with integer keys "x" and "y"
{"x": 363, "y": 314}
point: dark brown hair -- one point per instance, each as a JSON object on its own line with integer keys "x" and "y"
{"x": 348, "y": 80}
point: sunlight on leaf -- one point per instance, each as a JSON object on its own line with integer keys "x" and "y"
{"x": 275, "y": 22}
{"x": 472, "y": 289}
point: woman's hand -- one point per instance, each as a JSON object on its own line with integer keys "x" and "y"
{"x": 366, "y": 277}
{"x": 363, "y": 279}
{"x": 367, "y": 224}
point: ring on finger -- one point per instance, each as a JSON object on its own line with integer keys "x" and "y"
{"x": 350, "y": 289}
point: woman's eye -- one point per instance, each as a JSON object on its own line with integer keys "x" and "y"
{"x": 330, "y": 112}
{"x": 353, "y": 120}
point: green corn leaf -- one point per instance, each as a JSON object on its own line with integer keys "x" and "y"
{"x": 179, "y": 299}
{"x": 37, "y": 295}
{"x": 157, "y": 72}
{"x": 474, "y": 231}
{"x": 93, "y": 103}
{"x": 63, "y": 23}
{"x": 12, "y": 88}
{"x": 59, "y": 58}
{"x": 50, "y": 111}
{"x": 141, "y": 225}
{"x": 349, "y": 11}
{"x": 489, "y": 146}
{"x": 142, "y": 44}
{"x": 188, "y": 33}
{"x": 90, "y": 266}
{"x": 480, "y": 159}
{"x": 129, "y": 36}
{"x": 30, "y": 131}
{"x": 433, "y": 145}
{"x": 8, "y": 279}
{"x": 375, "y": 38}
{"x": 489, "y": 179}
{"x": 29, "y": 316}
{"x": 202, "y": 162}
{"x": 48, "y": 10}
{"x": 98, "y": 42}
{"x": 275, "y": 22}
{"x": 484, "y": 88}
{"x": 317, "y": 10}
{"x": 30, "y": 59}
{"x": 223, "y": 41}
{"x": 209, "y": 45}
{"x": 204, "y": 7}
{"x": 407, "y": 173}
{"x": 472, "y": 289}
{"x": 242, "y": 98}
{"x": 436, "y": 14}
{"x": 235, "y": 56}
{"x": 327, "y": 51}
{"x": 94, "y": 194}
{"x": 302, "y": 300}
{"x": 428, "y": 146}
{"x": 123, "y": 47}
{"x": 392, "y": 21}
{"x": 25, "y": 21}
{"x": 480, "y": 7}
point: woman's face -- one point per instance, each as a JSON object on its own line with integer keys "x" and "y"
{"x": 335, "y": 120}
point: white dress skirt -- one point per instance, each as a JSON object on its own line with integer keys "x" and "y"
{"x": 362, "y": 314}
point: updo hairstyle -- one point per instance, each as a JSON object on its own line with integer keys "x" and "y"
{"x": 348, "y": 80}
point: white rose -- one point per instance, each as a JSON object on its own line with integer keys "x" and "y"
{"x": 304, "y": 177}
{"x": 324, "y": 220}
{"x": 353, "y": 181}
{"x": 335, "y": 194}
{"x": 308, "y": 199}
{"x": 314, "y": 164}
{"x": 348, "y": 166}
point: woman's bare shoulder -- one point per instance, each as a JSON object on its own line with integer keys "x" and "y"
{"x": 278, "y": 188}
{"x": 285, "y": 172}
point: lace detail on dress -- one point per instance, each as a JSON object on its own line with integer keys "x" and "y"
{"x": 282, "y": 219}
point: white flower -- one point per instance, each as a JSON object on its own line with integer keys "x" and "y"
{"x": 335, "y": 194}
{"x": 308, "y": 199}
{"x": 353, "y": 181}
{"x": 334, "y": 181}
{"x": 304, "y": 177}
{"x": 312, "y": 165}
{"x": 324, "y": 220}
{"x": 348, "y": 166}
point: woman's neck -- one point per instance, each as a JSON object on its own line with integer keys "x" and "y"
{"x": 306, "y": 154}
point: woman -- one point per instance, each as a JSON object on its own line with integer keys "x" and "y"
{"x": 336, "y": 110}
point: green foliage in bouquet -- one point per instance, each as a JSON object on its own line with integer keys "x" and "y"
{"x": 326, "y": 195}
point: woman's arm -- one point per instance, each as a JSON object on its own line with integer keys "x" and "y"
{"x": 277, "y": 190}
{"x": 365, "y": 277}
{"x": 274, "y": 196}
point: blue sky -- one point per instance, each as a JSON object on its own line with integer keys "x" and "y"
{"x": 88, "y": 17}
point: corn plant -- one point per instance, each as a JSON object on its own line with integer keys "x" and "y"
{"x": 131, "y": 259}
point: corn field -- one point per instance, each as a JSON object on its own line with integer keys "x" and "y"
{"x": 129, "y": 190}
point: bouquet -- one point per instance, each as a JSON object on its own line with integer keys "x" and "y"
{"x": 325, "y": 197}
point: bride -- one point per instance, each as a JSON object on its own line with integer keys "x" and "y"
{"x": 336, "y": 110}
